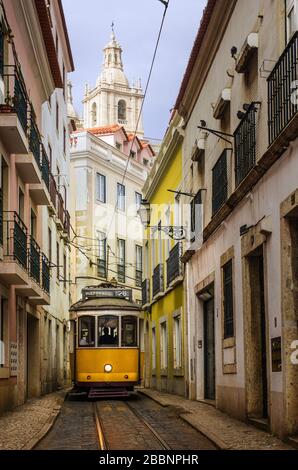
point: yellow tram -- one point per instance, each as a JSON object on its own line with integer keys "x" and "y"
{"x": 106, "y": 358}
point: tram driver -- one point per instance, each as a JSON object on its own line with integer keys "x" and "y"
{"x": 106, "y": 337}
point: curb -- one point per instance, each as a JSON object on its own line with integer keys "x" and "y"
{"x": 187, "y": 417}
{"x": 45, "y": 428}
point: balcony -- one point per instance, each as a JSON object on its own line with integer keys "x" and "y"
{"x": 60, "y": 212}
{"x": 174, "y": 265}
{"x": 145, "y": 292}
{"x": 34, "y": 260}
{"x": 282, "y": 83}
{"x": 121, "y": 273}
{"x": 14, "y": 111}
{"x": 40, "y": 191}
{"x": 14, "y": 268}
{"x": 158, "y": 280}
{"x": 53, "y": 194}
{"x": 42, "y": 296}
{"x": 245, "y": 143}
{"x": 66, "y": 224}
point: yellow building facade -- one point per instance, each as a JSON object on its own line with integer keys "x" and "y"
{"x": 163, "y": 298}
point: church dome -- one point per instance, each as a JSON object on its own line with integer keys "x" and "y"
{"x": 112, "y": 72}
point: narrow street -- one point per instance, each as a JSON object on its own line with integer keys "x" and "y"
{"x": 134, "y": 423}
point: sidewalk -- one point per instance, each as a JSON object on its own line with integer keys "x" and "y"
{"x": 223, "y": 431}
{"x": 23, "y": 427}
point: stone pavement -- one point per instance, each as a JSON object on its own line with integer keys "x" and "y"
{"x": 23, "y": 427}
{"x": 224, "y": 431}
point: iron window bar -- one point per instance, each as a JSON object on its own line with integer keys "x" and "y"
{"x": 158, "y": 280}
{"x": 174, "y": 265}
{"x": 34, "y": 138}
{"x": 219, "y": 182}
{"x": 45, "y": 167}
{"x": 16, "y": 238}
{"x": 34, "y": 260}
{"x": 16, "y": 98}
{"x": 282, "y": 83}
{"x": 145, "y": 291}
{"x": 45, "y": 267}
{"x": 121, "y": 273}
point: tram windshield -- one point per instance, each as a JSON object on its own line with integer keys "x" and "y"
{"x": 108, "y": 327}
{"x": 129, "y": 331}
{"x": 87, "y": 331}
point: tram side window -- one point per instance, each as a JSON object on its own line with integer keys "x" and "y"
{"x": 129, "y": 332}
{"x": 87, "y": 332}
{"x": 108, "y": 330}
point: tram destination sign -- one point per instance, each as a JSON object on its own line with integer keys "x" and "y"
{"x": 96, "y": 293}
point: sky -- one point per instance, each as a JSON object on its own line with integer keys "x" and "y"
{"x": 137, "y": 23}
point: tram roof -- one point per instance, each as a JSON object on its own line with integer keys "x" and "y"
{"x": 105, "y": 303}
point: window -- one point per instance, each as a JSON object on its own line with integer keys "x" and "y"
{"x": 64, "y": 271}
{"x": 93, "y": 115}
{"x": 121, "y": 111}
{"x": 163, "y": 346}
{"x": 133, "y": 155}
{"x": 153, "y": 349}
{"x": 177, "y": 342}
{"x": 57, "y": 116}
{"x": 64, "y": 81}
{"x": 58, "y": 259}
{"x": 219, "y": 183}
{"x": 145, "y": 162}
{"x": 21, "y": 204}
{"x": 168, "y": 240}
{"x": 118, "y": 146}
{"x": 228, "y": 299}
{"x": 194, "y": 215}
{"x": 1, "y": 50}
{"x": 138, "y": 197}
{"x": 102, "y": 255}
{"x": 50, "y": 245}
{"x": 292, "y": 18}
{"x": 33, "y": 220}
{"x": 153, "y": 241}
{"x": 108, "y": 327}
{"x": 139, "y": 266}
{"x": 57, "y": 43}
{"x": 129, "y": 330}
{"x": 100, "y": 187}
{"x": 120, "y": 197}
{"x": 50, "y": 155}
{"x": 121, "y": 260}
{"x": 86, "y": 332}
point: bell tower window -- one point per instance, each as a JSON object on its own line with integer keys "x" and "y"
{"x": 121, "y": 111}
{"x": 94, "y": 114}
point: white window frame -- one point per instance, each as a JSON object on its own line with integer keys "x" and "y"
{"x": 177, "y": 340}
{"x": 121, "y": 198}
{"x": 101, "y": 188}
{"x": 163, "y": 328}
{"x": 291, "y": 5}
{"x": 153, "y": 348}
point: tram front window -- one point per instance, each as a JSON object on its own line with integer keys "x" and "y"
{"x": 129, "y": 332}
{"x": 108, "y": 330}
{"x": 87, "y": 332}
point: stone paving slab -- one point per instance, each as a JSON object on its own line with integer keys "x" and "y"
{"x": 23, "y": 427}
{"x": 225, "y": 432}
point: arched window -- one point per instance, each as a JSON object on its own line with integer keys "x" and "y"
{"x": 94, "y": 114}
{"x": 121, "y": 111}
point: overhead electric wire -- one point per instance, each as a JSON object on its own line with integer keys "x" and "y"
{"x": 166, "y": 4}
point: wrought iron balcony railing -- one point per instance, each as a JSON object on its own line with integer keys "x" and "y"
{"x": 66, "y": 225}
{"x": 145, "y": 292}
{"x": 282, "y": 86}
{"x": 138, "y": 278}
{"x": 121, "y": 273}
{"x": 245, "y": 143}
{"x": 45, "y": 269}
{"x": 102, "y": 268}
{"x": 15, "y": 94}
{"x": 60, "y": 208}
{"x": 34, "y": 139}
{"x": 16, "y": 236}
{"x": 45, "y": 168}
{"x": 220, "y": 182}
{"x": 158, "y": 280}
{"x": 34, "y": 260}
{"x": 174, "y": 265}
{"x": 53, "y": 190}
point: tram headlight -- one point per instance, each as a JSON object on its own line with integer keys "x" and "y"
{"x": 108, "y": 368}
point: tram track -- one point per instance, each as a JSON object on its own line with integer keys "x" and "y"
{"x": 157, "y": 442}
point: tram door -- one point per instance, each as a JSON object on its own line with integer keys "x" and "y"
{"x": 209, "y": 350}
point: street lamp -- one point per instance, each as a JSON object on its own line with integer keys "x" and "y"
{"x": 174, "y": 232}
